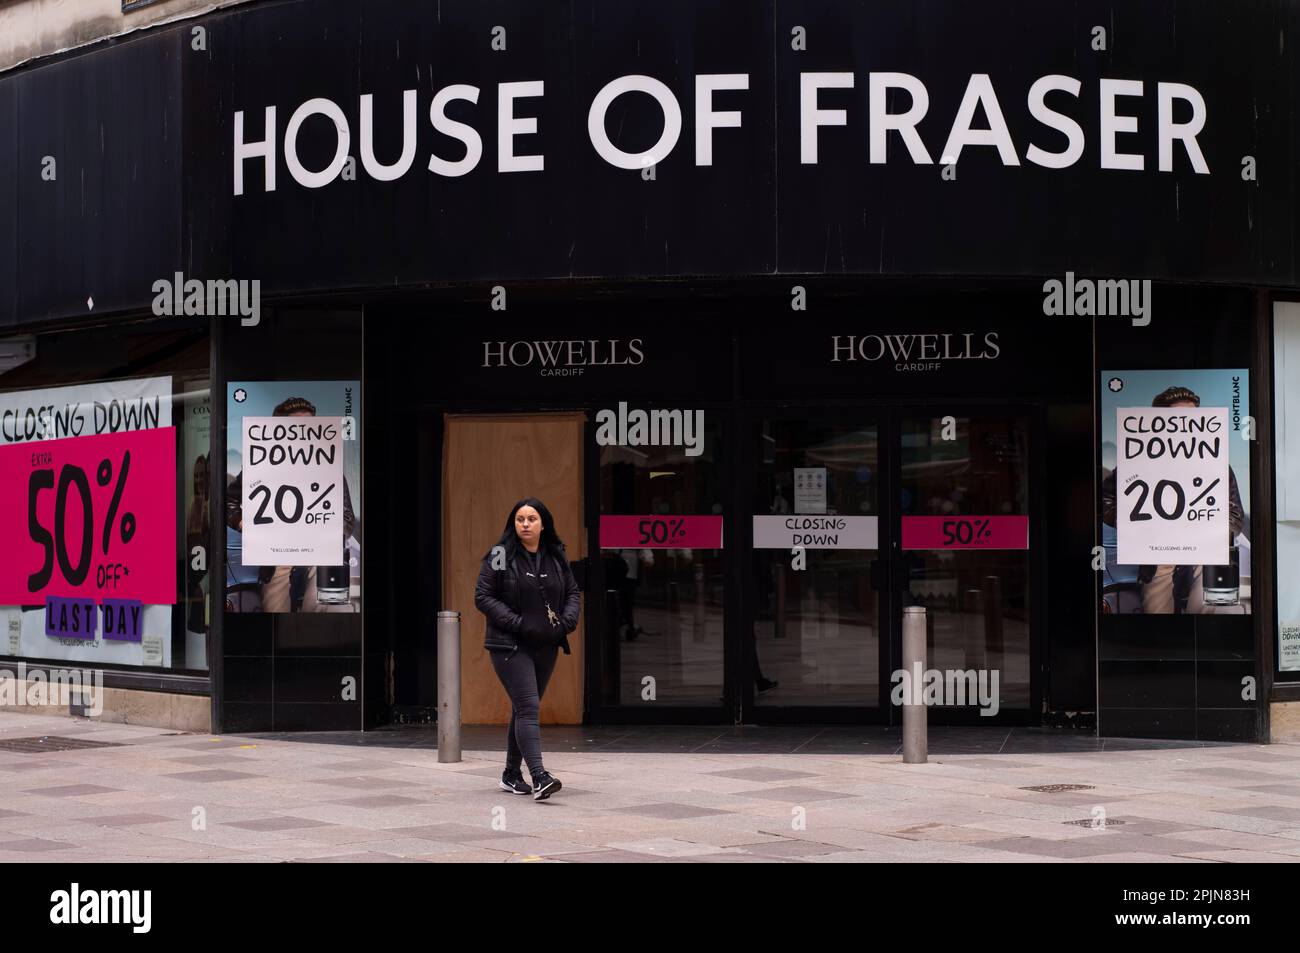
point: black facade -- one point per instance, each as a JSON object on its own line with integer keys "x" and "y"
{"x": 740, "y": 261}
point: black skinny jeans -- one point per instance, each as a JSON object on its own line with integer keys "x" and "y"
{"x": 524, "y": 672}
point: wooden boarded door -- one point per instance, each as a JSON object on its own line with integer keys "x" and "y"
{"x": 490, "y": 461}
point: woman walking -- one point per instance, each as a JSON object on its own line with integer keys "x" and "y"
{"x": 531, "y": 600}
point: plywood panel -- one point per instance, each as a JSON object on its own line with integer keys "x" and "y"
{"x": 489, "y": 463}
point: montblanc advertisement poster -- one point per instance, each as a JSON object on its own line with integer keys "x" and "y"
{"x": 1175, "y": 491}
{"x": 293, "y": 501}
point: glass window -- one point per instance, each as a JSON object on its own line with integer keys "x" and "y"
{"x": 965, "y": 537}
{"x": 105, "y": 447}
{"x": 816, "y": 635}
{"x": 1149, "y": 496}
{"x": 661, "y": 505}
{"x": 1286, "y": 408}
{"x": 293, "y": 503}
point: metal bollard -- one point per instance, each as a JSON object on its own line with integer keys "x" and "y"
{"x": 915, "y": 732}
{"x": 448, "y": 686}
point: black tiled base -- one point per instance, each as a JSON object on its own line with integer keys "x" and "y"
{"x": 867, "y": 740}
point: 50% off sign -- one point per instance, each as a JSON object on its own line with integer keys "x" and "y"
{"x": 90, "y": 518}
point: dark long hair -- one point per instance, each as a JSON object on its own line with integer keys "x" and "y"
{"x": 549, "y": 540}
{"x": 1173, "y": 395}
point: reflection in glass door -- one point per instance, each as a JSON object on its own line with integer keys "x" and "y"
{"x": 815, "y": 639}
{"x": 964, "y": 507}
{"x": 660, "y": 533}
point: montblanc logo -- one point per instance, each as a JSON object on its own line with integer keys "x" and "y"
{"x": 915, "y": 352}
{"x": 562, "y": 358}
{"x": 76, "y": 906}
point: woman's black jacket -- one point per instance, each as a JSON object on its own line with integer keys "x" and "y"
{"x": 497, "y": 597}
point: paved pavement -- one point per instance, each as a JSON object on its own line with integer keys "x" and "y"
{"x": 642, "y": 794}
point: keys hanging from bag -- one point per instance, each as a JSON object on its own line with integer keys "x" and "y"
{"x": 556, "y": 629}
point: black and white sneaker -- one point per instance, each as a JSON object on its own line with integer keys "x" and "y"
{"x": 544, "y": 785}
{"x": 513, "y": 781}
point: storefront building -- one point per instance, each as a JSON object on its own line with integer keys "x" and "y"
{"x": 794, "y": 315}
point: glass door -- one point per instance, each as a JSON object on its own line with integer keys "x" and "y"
{"x": 963, "y": 552}
{"x": 661, "y": 591}
{"x": 811, "y": 646}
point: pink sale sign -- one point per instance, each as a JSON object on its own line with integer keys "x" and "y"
{"x": 965, "y": 532}
{"x": 661, "y": 532}
{"x": 92, "y": 517}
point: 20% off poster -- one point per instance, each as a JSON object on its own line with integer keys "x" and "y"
{"x": 1172, "y": 484}
{"x": 293, "y": 491}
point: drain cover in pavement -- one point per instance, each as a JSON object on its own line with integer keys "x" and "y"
{"x": 52, "y": 743}
{"x": 1058, "y": 788}
{"x": 1093, "y": 822}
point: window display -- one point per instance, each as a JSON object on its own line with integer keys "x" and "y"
{"x": 103, "y": 501}
{"x": 293, "y": 496}
{"x": 1175, "y": 491}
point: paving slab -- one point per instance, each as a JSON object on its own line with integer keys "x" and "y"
{"x": 720, "y": 795}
